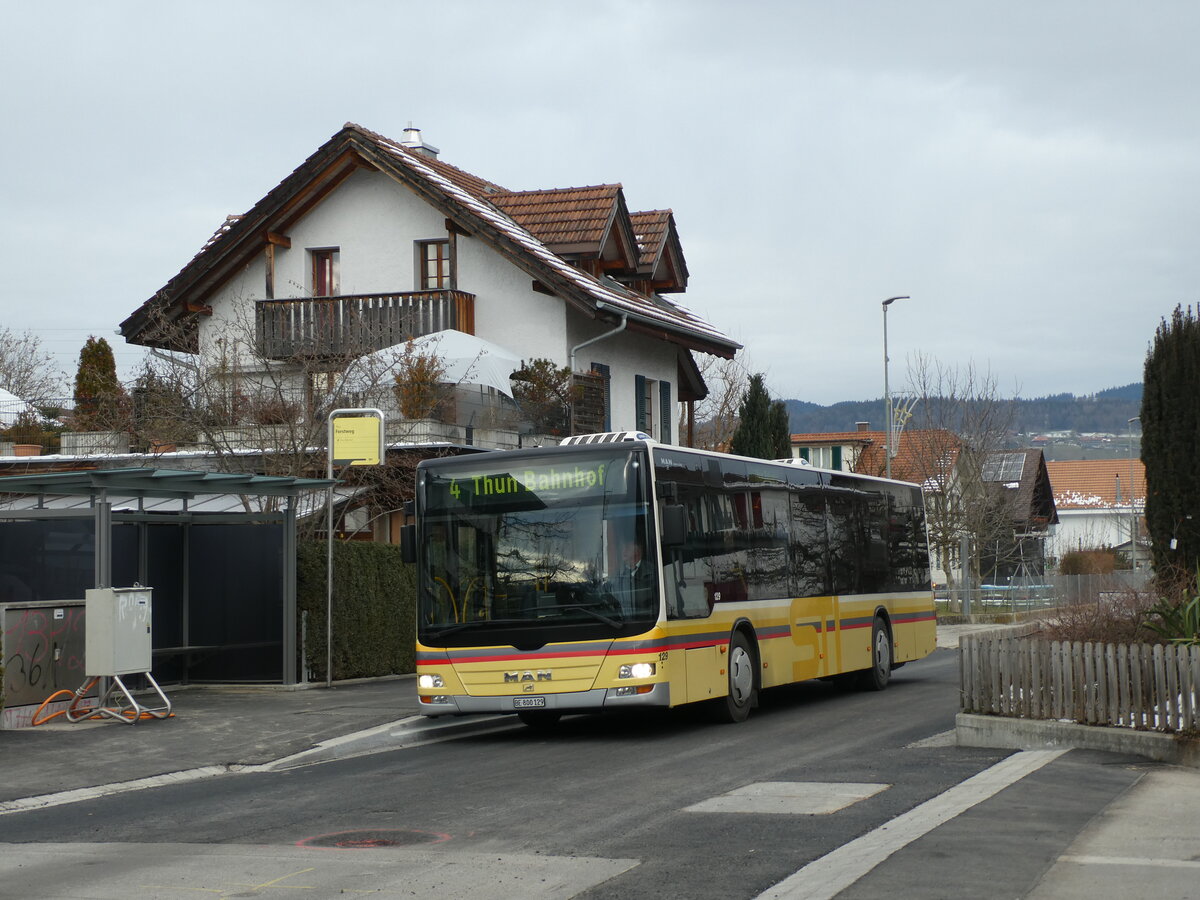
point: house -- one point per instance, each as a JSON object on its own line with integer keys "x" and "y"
{"x": 1094, "y": 498}
{"x": 837, "y": 450}
{"x": 371, "y": 242}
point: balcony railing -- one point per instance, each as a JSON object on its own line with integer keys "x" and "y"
{"x": 315, "y": 327}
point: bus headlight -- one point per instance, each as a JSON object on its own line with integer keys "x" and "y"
{"x": 637, "y": 670}
{"x": 430, "y": 681}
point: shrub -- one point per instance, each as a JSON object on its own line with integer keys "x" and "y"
{"x": 1110, "y": 617}
{"x": 1087, "y": 562}
{"x": 1176, "y": 619}
{"x": 374, "y": 609}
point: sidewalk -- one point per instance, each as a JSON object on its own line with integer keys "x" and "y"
{"x": 211, "y": 726}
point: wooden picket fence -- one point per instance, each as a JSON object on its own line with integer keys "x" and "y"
{"x": 1151, "y": 687}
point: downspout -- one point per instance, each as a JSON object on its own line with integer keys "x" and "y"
{"x": 599, "y": 337}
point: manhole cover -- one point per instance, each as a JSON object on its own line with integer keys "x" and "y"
{"x": 373, "y": 839}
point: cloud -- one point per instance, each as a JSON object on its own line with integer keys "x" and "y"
{"x": 1021, "y": 170}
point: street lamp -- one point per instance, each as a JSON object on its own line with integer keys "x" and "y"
{"x": 1132, "y": 496}
{"x": 887, "y": 394}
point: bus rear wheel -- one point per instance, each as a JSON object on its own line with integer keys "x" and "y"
{"x": 876, "y": 678}
{"x": 743, "y": 693}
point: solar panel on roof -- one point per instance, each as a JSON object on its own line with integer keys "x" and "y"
{"x": 1004, "y": 467}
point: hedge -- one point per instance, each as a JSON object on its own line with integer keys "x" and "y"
{"x": 374, "y": 609}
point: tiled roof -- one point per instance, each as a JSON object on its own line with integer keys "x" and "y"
{"x": 836, "y": 437}
{"x": 479, "y": 187}
{"x": 657, "y": 310}
{"x": 921, "y": 456}
{"x": 1092, "y": 483}
{"x": 455, "y": 191}
{"x": 562, "y": 216}
{"x": 650, "y": 228}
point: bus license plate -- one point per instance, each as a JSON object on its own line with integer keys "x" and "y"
{"x": 529, "y": 702}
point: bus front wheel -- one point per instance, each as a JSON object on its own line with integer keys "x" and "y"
{"x": 876, "y": 677}
{"x": 735, "y": 706}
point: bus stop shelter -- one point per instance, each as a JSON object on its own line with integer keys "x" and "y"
{"x": 218, "y": 550}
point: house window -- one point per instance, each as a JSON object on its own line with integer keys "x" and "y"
{"x": 645, "y": 397}
{"x": 324, "y": 271}
{"x": 605, "y": 373}
{"x": 434, "y": 266}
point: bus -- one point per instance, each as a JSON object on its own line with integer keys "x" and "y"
{"x": 613, "y": 572}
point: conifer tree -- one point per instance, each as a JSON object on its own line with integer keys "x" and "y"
{"x": 1170, "y": 437}
{"x": 757, "y": 431}
{"x": 100, "y": 400}
{"x": 781, "y": 432}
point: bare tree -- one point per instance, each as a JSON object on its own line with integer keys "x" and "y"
{"x": 716, "y": 415}
{"x": 27, "y": 370}
{"x": 960, "y": 421}
{"x": 269, "y": 414}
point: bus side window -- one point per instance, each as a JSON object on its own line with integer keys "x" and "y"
{"x": 684, "y": 565}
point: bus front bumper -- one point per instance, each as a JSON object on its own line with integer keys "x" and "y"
{"x": 594, "y": 700}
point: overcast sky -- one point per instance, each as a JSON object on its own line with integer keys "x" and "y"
{"x": 1024, "y": 170}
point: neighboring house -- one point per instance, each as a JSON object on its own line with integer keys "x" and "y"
{"x": 1093, "y": 498}
{"x": 837, "y": 450}
{"x": 371, "y": 242}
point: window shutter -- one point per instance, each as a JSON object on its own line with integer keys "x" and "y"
{"x": 606, "y": 374}
{"x": 837, "y": 458}
{"x": 639, "y": 389}
{"x": 667, "y": 414}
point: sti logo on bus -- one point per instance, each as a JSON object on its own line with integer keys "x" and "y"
{"x": 542, "y": 675}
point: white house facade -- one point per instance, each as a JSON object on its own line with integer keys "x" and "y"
{"x": 373, "y": 242}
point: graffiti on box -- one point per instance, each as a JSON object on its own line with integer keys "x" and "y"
{"x": 43, "y": 650}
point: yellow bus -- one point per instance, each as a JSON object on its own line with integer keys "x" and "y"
{"x": 615, "y": 573}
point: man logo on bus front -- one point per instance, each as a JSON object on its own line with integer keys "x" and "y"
{"x": 542, "y": 675}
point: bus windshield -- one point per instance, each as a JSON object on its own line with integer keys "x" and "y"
{"x": 536, "y": 543}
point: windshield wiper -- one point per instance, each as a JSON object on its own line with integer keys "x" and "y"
{"x": 587, "y": 610}
{"x": 435, "y": 631}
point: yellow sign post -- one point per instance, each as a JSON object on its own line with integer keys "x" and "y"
{"x": 356, "y": 441}
{"x": 355, "y": 438}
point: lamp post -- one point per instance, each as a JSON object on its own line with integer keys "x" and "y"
{"x": 1132, "y": 495}
{"x": 887, "y": 394}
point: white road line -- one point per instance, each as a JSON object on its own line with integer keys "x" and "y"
{"x": 1130, "y": 861}
{"x": 42, "y": 801}
{"x": 826, "y": 877}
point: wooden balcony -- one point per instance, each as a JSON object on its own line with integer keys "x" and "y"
{"x": 320, "y": 327}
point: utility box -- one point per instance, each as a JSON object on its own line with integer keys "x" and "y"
{"x": 117, "y": 635}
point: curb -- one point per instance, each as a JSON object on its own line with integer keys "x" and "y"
{"x": 1035, "y": 734}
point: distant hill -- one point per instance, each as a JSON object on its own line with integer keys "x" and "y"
{"x": 1108, "y": 411}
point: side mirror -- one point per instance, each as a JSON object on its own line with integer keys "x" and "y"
{"x": 674, "y": 524}
{"x": 408, "y": 543}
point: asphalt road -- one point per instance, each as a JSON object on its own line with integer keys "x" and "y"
{"x": 601, "y": 807}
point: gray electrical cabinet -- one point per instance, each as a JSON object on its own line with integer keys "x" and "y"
{"x": 117, "y": 636}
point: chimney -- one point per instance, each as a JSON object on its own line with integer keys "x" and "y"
{"x": 862, "y": 426}
{"x": 412, "y": 140}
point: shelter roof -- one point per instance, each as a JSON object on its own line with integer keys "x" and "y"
{"x": 148, "y": 482}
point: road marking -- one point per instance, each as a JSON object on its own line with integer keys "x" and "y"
{"x": 42, "y": 801}
{"x": 826, "y": 877}
{"x": 1157, "y": 862}
{"x": 942, "y": 739}
{"x": 796, "y": 798}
